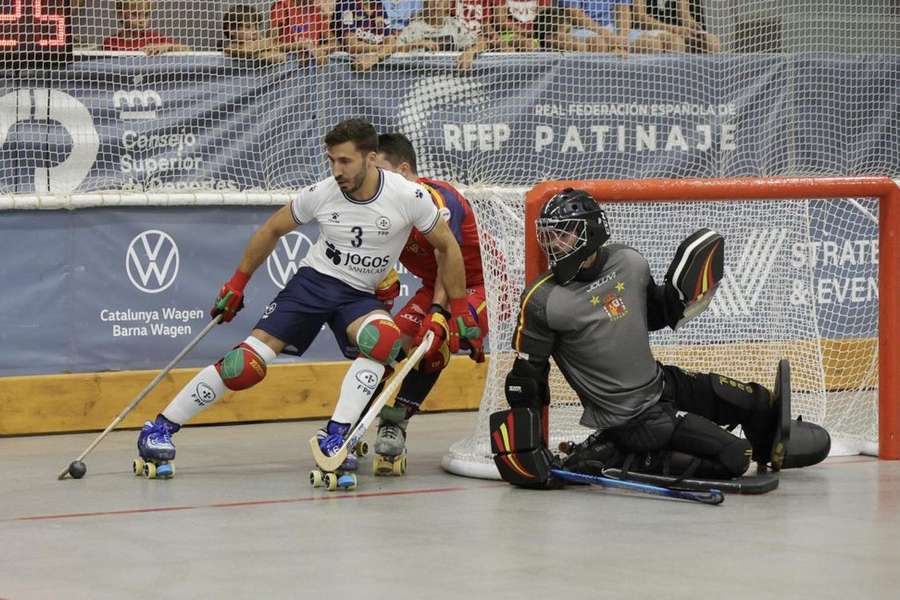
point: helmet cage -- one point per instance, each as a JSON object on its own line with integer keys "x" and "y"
{"x": 561, "y": 238}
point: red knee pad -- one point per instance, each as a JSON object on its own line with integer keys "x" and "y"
{"x": 241, "y": 368}
{"x": 379, "y": 339}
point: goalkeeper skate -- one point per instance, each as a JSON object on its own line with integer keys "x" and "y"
{"x": 390, "y": 443}
{"x": 330, "y": 440}
{"x": 156, "y": 451}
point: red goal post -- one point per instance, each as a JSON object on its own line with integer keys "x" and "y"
{"x": 773, "y": 188}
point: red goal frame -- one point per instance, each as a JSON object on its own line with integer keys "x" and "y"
{"x": 883, "y": 188}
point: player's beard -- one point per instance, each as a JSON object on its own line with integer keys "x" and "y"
{"x": 357, "y": 182}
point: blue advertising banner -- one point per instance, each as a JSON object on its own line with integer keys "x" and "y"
{"x": 102, "y": 289}
{"x": 207, "y": 122}
{"x": 110, "y": 289}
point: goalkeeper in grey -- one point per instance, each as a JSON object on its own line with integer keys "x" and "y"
{"x": 593, "y": 313}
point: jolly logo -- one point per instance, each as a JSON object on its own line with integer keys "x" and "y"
{"x": 746, "y": 279}
{"x": 152, "y": 261}
{"x": 284, "y": 261}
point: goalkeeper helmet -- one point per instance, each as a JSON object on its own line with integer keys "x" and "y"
{"x": 571, "y": 227}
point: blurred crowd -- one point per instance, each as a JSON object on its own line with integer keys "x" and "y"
{"x": 371, "y": 30}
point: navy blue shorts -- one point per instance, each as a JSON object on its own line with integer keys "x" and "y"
{"x": 309, "y": 300}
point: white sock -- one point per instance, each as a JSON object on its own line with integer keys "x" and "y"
{"x": 357, "y": 388}
{"x": 206, "y": 387}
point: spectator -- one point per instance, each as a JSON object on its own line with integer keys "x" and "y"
{"x": 615, "y": 17}
{"x": 476, "y": 15}
{"x": 553, "y": 30}
{"x": 360, "y": 28}
{"x": 302, "y": 26}
{"x": 242, "y": 28}
{"x": 514, "y": 20}
{"x": 447, "y": 32}
{"x": 686, "y": 18}
{"x": 400, "y": 13}
{"x": 135, "y": 32}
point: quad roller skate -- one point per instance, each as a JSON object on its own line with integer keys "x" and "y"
{"x": 156, "y": 450}
{"x": 331, "y": 438}
{"x": 390, "y": 443}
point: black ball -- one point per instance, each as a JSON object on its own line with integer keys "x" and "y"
{"x": 77, "y": 469}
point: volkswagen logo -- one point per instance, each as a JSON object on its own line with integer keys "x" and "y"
{"x": 152, "y": 261}
{"x": 285, "y": 259}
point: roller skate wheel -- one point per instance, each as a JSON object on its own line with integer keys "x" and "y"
{"x": 137, "y": 465}
{"x": 399, "y": 466}
{"x": 166, "y": 470}
{"x": 380, "y": 466}
{"x": 361, "y": 449}
{"x": 315, "y": 478}
{"x": 331, "y": 481}
{"x": 149, "y": 470}
{"x": 347, "y": 481}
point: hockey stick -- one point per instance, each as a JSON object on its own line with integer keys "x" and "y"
{"x": 330, "y": 464}
{"x": 759, "y": 484}
{"x": 145, "y": 391}
{"x": 708, "y": 497}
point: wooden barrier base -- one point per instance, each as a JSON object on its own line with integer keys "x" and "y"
{"x": 90, "y": 401}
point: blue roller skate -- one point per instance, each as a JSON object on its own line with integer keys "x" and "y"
{"x": 156, "y": 450}
{"x": 331, "y": 438}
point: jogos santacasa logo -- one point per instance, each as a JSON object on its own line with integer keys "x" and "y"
{"x": 152, "y": 261}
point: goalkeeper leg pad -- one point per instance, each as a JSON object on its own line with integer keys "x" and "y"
{"x": 700, "y": 437}
{"x": 519, "y": 450}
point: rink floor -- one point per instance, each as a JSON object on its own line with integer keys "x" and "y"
{"x": 241, "y": 521}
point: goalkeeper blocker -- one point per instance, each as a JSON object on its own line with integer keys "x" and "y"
{"x": 694, "y": 274}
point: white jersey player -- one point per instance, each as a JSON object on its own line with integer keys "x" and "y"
{"x": 365, "y": 216}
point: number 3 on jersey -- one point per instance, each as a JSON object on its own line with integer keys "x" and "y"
{"x": 356, "y": 242}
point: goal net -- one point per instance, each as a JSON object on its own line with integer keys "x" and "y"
{"x": 106, "y": 104}
{"x": 801, "y": 282}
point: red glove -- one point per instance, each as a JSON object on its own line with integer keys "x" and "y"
{"x": 231, "y": 297}
{"x": 463, "y": 325}
{"x": 435, "y": 321}
{"x": 388, "y": 288}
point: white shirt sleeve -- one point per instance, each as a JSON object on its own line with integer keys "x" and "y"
{"x": 304, "y": 205}
{"x": 423, "y": 213}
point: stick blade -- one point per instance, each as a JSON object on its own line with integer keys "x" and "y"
{"x": 327, "y": 463}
